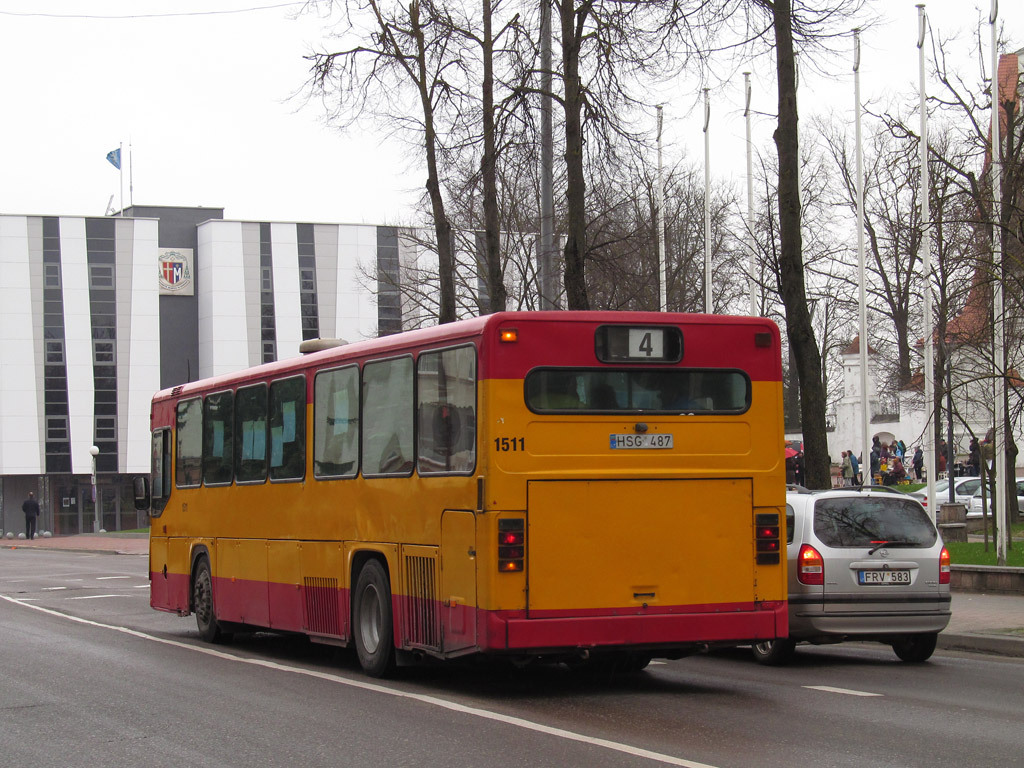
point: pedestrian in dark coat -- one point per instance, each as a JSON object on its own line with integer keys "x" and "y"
{"x": 31, "y": 509}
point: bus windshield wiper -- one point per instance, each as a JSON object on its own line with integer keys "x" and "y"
{"x": 880, "y": 544}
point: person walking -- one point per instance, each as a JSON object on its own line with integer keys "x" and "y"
{"x": 856, "y": 468}
{"x": 918, "y": 464}
{"x": 847, "y": 469}
{"x": 31, "y": 509}
{"x": 876, "y": 463}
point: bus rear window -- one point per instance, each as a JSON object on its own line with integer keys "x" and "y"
{"x": 604, "y": 390}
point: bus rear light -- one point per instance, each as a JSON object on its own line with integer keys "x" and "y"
{"x": 766, "y": 537}
{"x": 810, "y": 567}
{"x": 944, "y": 566}
{"x": 508, "y": 335}
{"x": 511, "y": 544}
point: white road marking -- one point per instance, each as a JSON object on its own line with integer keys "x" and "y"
{"x": 108, "y": 578}
{"x": 516, "y": 722}
{"x": 847, "y": 691}
{"x": 93, "y": 597}
{"x": 141, "y": 586}
{"x": 52, "y": 589}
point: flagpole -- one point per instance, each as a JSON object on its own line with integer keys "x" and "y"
{"x": 662, "y": 262}
{"x": 998, "y": 342}
{"x": 120, "y": 172}
{"x": 926, "y": 270}
{"x": 131, "y": 183}
{"x": 865, "y": 402}
{"x": 752, "y": 277}
{"x": 707, "y": 203}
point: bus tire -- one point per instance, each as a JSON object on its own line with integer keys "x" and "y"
{"x": 210, "y": 629}
{"x": 916, "y": 648}
{"x": 773, "y": 653}
{"x": 372, "y": 620}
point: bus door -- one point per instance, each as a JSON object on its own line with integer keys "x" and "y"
{"x": 628, "y": 547}
{"x": 458, "y": 580}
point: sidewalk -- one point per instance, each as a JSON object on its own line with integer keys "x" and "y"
{"x": 983, "y": 623}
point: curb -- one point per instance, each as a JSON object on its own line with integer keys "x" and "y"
{"x": 996, "y": 645}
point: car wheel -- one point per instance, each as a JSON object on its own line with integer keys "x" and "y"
{"x": 210, "y": 629}
{"x": 774, "y": 653}
{"x": 373, "y": 621}
{"x": 916, "y": 648}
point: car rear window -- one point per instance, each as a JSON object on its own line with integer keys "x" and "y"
{"x": 864, "y": 521}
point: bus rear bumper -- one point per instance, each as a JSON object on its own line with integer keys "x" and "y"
{"x": 728, "y": 625}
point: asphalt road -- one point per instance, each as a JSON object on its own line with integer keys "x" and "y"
{"x": 90, "y": 676}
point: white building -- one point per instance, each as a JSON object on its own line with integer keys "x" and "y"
{"x": 99, "y": 313}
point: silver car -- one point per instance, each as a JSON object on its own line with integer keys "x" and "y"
{"x": 974, "y": 506}
{"x": 863, "y": 565}
{"x": 963, "y": 489}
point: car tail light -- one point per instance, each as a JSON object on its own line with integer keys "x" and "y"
{"x": 511, "y": 544}
{"x": 810, "y": 567}
{"x": 766, "y": 538}
{"x": 944, "y": 566}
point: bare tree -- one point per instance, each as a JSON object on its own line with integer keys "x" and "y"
{"x": 407, "y": 54}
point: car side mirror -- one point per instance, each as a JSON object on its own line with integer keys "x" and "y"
{"x": 141, "y": 487}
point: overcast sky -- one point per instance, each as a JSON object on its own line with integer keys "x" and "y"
{"x": 204, "y": 101}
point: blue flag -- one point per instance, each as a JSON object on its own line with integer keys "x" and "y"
{"x": 114, "y": 158}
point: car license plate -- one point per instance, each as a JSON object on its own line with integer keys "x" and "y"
{"x": 884, "y": 577}
{"x": 643, "y": 442}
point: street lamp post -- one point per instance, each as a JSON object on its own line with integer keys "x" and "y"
{"x": 94, "y": 452}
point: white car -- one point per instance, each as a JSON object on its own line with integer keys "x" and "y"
{"x": 963, "y": 490}
{"x": 974, "y": 507}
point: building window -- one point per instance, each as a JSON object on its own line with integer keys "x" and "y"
{"x": 269, "y": 351}
{"x": 51, "y": 276}
{"x": 103, "y": 352}
{"x": 267, "y": 279}
{"x": 56, "y": 428}
{"x": 101, "y": 275}
{"x": 54, "y": 352}
{"x": 106, "y": 428}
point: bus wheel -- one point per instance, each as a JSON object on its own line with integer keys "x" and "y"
{"x": 372, "y": 620}
{"x": 773, "y": 653}
{"x": 202, "y": 603}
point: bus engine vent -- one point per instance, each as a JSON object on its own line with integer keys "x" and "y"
{"x": 322, "y": 606}
{"x": 422, "y": 623}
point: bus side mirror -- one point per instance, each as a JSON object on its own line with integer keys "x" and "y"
{"x": 141, "y": 486}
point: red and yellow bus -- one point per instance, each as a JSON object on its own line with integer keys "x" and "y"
{"x": 557, "y": 485}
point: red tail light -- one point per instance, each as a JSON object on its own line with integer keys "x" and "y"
{"x": 767, "y": 543}
{"x": 511, "y": 544}
{"x": 944, "y": 566}
{"x": 810, "y": 567}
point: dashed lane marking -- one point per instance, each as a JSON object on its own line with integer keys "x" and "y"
{"x": 846, "y": 691}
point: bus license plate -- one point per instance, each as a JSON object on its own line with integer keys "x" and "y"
{"x": 642, "y": 442}
{"x": 884, "y": 577}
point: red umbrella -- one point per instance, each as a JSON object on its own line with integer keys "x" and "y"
{"x": 790, "y": 453}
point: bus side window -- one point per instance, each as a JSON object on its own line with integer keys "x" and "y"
{"x": 251, "y": 434}
{"x": 288, "y": 429}
{"x": 189, "y": 463}
{"x": 218, "y": 421}
{"x": 388, "y": 417}
{"x": 336, "y": 423}
{"x": 160, "y": 469}
{"x": 446, "y": 394}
